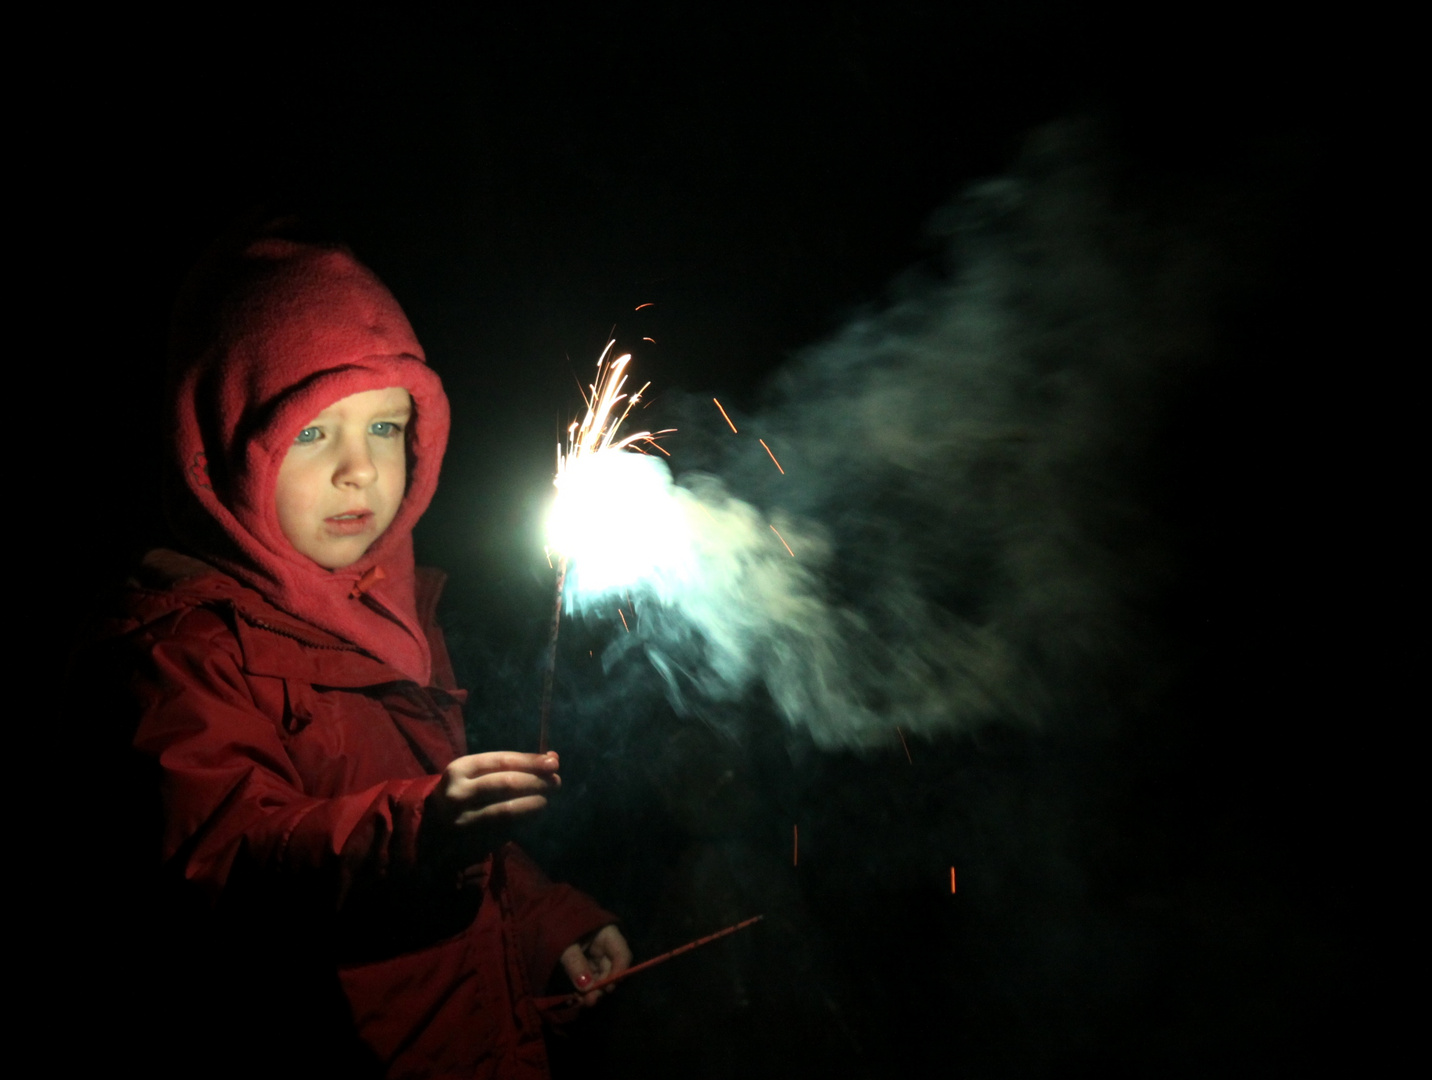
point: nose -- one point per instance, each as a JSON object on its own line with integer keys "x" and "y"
{"x": 355, "y": 466}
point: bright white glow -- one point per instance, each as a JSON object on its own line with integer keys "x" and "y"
{"x": 621, "y": 524}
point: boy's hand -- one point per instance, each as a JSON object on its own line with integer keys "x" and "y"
{"x": 483, "y": 790}
{"x": 595, "y": 958}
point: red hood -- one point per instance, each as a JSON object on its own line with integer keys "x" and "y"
{"x": 264, "y": 341}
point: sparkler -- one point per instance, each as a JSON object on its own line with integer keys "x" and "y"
{"x": 592, "y": 439}
{"x": 559, "y": 1000}
{"x": 551, "y": 671}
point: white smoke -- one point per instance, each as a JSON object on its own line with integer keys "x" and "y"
{"x": 720, "y": 597}
{"x": 961, "y": 490}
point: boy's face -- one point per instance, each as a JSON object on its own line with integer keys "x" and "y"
{"x": 341, "y": 483}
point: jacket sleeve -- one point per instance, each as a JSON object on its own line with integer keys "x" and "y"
{"x": 231, "y": 795}
{"x": 547, "y": 917}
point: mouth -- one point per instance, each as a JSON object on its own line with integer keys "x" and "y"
{"x": 349, "y": 523}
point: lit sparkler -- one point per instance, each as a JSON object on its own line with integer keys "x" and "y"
{"x": 615, "y": 522}
{"x": 589, "y": 475}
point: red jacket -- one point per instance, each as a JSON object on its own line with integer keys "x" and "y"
{"x": 294, "y": 770}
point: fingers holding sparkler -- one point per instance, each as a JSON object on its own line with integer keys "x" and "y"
{"x": 479, "y": 793}
{"x": 595, "y": 963}
{"x": 617, "y": 975}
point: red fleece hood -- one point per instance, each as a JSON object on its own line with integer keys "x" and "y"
{"x": 263, "y": 342}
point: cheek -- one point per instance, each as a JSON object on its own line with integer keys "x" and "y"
{"x": 393, "y": 473}
{"x": 293, "y": 496}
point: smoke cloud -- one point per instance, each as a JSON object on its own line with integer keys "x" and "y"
{"x": 959, "y": 536}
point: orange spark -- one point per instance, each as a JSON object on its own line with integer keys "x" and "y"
{"x": 728, "y": 419}
{"x": 905, "y": 745}
{"x": 597, "y": 430}
{"x": 624, "y": 622}
{"x": 773, "y": 456}
{"x": 650, "y": 339}
{"x": 952, "y": 881}
{"x": 647, "y": 304}
{"x": 782, "y": 539}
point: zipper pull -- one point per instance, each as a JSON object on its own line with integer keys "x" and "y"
{"x": 370, "y": 578}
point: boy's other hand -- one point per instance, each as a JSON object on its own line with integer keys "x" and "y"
{"x": 597, "y": 957}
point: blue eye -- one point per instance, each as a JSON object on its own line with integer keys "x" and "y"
{"x": 307, "y": 435}
{"x": 386, "y": 429}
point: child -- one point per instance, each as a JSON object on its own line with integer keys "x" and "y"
{"x": 297, "y": 701}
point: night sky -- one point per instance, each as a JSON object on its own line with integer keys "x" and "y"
{"x": 1146, "y": 881}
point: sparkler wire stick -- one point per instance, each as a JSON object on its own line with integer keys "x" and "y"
{"x": 567, "y": 999}
{"x": 548, "y": 677}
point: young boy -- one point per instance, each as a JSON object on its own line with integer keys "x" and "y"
{"x": 298, "y": 706}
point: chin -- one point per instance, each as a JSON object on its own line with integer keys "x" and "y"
{"x": 337, "y": 560}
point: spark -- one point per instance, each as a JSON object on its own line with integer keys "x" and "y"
{"x": 591, "y": 475}
{"x": 905, "y": 745}
{"x": 597, "y": 431}
{"x": 952, "y": 881}
{"x": 782, "y": 539}
{"x": 647, "y": 304}
{"x": 571, "y": 999}
{"x": 650, "y": 339}
{"x": 773, "y": 456}
{"x": 624, "y": 622}
{"x": 728, "y": 419}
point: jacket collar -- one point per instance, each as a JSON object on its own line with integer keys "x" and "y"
{"x": 272, "y": 641}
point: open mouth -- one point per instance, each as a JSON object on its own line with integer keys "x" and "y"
{"x": 350, "y": 523}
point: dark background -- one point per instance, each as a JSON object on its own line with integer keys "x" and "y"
{"x": 1171, "y": 899}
